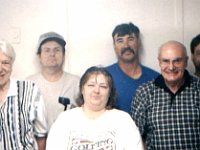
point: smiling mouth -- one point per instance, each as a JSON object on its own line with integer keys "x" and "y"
{"x": 172, "y": 73}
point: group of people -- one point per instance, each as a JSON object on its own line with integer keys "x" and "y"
{"x": 122, "y": 106}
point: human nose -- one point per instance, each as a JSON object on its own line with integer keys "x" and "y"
{"x": 172, "y": 65}
{"x": 126, "y": 43}
{"x": 96, "y": 89}
{"x": 52, "y": 52}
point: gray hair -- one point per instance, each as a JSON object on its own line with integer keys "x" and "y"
{"x": 7, "y": 49}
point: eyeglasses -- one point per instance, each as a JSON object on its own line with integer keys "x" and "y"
{"x": 176, "y": 62}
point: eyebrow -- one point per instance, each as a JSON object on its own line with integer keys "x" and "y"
{"x": 6, "y": 61}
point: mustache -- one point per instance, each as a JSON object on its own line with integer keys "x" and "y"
{"x": 127, "y": 49}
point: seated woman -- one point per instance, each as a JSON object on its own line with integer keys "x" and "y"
{"x": 95, "y": 124}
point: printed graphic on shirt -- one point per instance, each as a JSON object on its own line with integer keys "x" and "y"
{"x": 97, "y": 141}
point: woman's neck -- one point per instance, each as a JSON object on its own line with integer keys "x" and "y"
{"x": 92, "y": 114}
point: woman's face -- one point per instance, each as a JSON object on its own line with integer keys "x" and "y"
{"x": 96, "y": 92}
{"x": 5, "y": 69}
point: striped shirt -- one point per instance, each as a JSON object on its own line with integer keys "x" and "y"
{"x": 169, "y": 121}
{"x": 22, "y": 117}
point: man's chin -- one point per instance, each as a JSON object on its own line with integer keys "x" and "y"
{"x": 128, "y": 60}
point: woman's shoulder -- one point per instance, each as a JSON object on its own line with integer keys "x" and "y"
{"x": 71, "y": 112}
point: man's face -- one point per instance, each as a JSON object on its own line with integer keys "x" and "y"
{"x": 5, "y": 69}
{"x": 172, "y": 61}
{"x": 196, "y": 57}
{"x": 51, "y": 55}
{"x": 126, "y": 47}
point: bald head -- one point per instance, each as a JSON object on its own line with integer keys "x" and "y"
{"x": 173, "y": 45}
{"x": 173, "y": 60}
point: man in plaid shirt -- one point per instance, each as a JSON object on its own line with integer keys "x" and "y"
{"x": 167, "y": 109}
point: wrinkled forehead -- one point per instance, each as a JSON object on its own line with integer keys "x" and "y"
{"x": 172, "y": 50}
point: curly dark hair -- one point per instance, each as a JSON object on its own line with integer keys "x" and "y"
{"x": 85, "y": 77}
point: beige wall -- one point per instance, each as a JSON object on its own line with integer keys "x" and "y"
{"x": 87, "y": 26}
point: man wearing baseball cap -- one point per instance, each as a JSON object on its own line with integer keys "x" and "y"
{"x": 53, "y": 81}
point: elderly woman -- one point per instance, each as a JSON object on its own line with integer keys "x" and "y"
{"x": 22, "y": 121}
{"x": 95, "y": 124}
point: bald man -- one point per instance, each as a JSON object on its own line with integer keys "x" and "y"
{"x": 167, "y": 109}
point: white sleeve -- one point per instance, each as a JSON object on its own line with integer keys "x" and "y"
{"x": 40, "y": 123}
{"x": 56, "y": 139}
{"x": 131, "y": 135}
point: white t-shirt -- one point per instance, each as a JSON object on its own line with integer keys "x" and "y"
{"x": 66, "y": 86}
{"x": 113, "y": 130}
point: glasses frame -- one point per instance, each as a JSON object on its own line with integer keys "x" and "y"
{"x": 175, "y": 62}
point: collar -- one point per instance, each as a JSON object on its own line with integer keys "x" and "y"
{"x": 159, "y": 81}
{"x": 13, "y": 88}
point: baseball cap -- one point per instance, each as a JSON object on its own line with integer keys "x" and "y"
{"x": 48, "y": 36}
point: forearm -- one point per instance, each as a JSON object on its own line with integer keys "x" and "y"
{"x": 41, "y": 141}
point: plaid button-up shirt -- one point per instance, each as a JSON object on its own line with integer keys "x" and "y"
{"x": 168, "y": 121}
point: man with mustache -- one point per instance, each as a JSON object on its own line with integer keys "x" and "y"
{"x": 128, "y": 73}
{"x": 167, "y": 109}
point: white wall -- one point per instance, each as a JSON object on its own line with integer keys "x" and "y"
{"x": 191, "y": 23}
{"x": 32, "y": 18}
{"x": 87, "y": 26}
